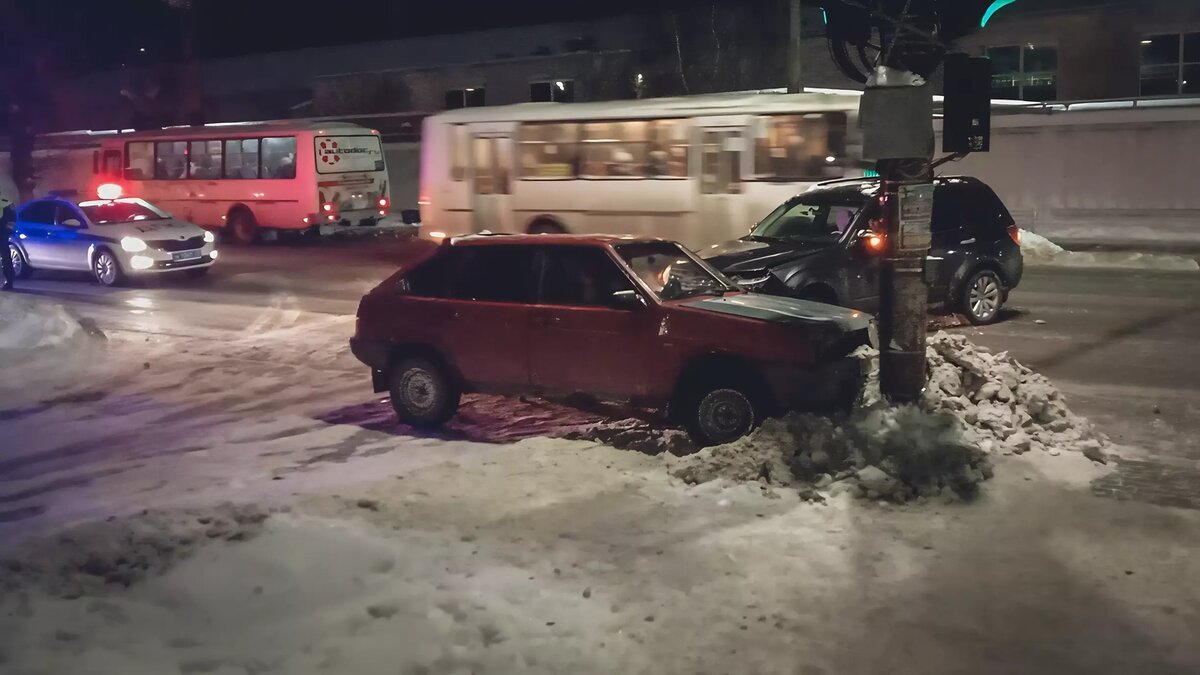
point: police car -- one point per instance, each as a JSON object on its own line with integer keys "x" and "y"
{"x": 113, "y": 237}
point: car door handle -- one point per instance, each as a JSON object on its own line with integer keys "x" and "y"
{"x": 968, "y": 241}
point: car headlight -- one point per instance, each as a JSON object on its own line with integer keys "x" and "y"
{"x": 133, "y": 244}
{"x": 209, "y": 237}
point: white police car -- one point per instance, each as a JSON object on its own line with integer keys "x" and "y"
{"x": 112, "y": 237}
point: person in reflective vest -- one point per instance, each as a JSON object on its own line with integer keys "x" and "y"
{"x": 8, "y": 220}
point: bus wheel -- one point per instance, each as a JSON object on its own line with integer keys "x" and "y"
{"x": 546, "y": 226}
{"x": 242, "y": 226}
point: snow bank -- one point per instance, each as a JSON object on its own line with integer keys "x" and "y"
{"x": 977, "y": 403}
{"x": 1040, "y": 251}
{"x": 26, "y": 323}
{"x": 120, "y": 551}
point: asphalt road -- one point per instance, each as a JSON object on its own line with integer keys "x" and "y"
{"x": 1124, "y": 345}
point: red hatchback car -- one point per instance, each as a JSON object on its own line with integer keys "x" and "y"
{"x": 637, "y": 320}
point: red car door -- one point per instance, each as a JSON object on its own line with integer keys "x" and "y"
{"x": 486, "y": 333}
{"x": 581, "y": 338}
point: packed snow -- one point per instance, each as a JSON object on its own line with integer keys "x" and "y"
{"x": 1040, "y": 251}
{"x": 977, "y": 404}
{"x": 29, "y": 324}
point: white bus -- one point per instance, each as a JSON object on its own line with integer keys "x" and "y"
{"x": 698, "y": 169}
{"x": 254, "y": 178}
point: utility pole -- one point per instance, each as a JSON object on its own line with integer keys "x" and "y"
{"x": 795, "y": 63}
{"x": 891, "y": 47}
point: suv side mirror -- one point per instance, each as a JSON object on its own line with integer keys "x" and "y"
{"x": 628, "y": 299}
{"x": 72, "y": 222}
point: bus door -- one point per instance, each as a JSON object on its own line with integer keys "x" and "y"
{"x": 491, "y": 183}
{"x": 719, "y": 180}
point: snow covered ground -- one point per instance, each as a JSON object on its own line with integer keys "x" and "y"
{"x": 1040, "y": 251}
{"x": 183, "y": 504}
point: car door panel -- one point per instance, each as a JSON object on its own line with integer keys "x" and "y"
{"x": 487, "y": 323}
{"x": 35, "y": 231}
{"x": 71, "y": 243}
{"x": 580, "y": 341}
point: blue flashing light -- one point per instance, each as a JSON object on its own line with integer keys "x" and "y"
{"x": 996, "y": 6}
{"x": 870, "y": 173}
{"x": 824, "y": 19}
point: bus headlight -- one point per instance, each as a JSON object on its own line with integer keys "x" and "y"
{"x": 209, "y": 237}
{"x": 133, "y": 244}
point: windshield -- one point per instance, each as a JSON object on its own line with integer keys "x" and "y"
{"x": 671, "y": 272}
{"x": 821, "y": 218}
{"x": 120, "y": 211}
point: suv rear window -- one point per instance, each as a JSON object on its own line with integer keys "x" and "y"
{"x": 984, "y": 210}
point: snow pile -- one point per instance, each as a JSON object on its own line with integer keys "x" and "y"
{"x": 121, "y": 551}
{"x": 1038, "y": 250}
{"x": 977, "y": 403}
{"x": 30, "y": 324}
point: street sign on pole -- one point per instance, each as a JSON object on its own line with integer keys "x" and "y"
{"x": 916, "y": 212}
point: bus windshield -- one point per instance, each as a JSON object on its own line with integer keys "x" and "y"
{"x": 120, "y": 211}
{"x": 671, "y": 272}
{"x": 817, "y": 218}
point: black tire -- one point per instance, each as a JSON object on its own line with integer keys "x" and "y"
{"x": 545, "y": 226}
{"x": 720, "y": 413}
{"x": 423, "y": 392}
{"x": 243, "y": 228}
{"x": 20, "y": 264}
{"x": 981, "y": 297}
{"x": 106, "y": 269}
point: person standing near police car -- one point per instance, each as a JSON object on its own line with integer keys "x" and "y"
{"x": 8, "y": 221}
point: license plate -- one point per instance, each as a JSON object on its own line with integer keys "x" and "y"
{"x": 185, "y": 255}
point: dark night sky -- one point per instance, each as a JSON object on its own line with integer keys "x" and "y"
{"x": 106, "y": 33}
{"x": 103, "y": 34}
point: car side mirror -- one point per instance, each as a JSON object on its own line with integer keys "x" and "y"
{"x": 72, "y": 222}
{"x": 628, "y": 299}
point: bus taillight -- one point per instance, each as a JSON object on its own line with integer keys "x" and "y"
{"x": 383, "y": 202}
{"x": 327, "y": 207}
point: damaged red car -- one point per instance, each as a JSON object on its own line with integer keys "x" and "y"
{"x": 641, "y": 321}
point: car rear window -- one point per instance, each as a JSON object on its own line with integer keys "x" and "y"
{"x": 494, "y": 274}
{"x": 985, "y": 211}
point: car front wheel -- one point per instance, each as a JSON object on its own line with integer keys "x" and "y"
{"x": 982, "y": 296}
{"x": 106, "y": 269}
{"x": 720, "y": 414}
{"x": 423, "y": 392}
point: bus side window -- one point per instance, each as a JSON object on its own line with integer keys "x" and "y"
{"x": 459, "y": 155}
{"x": 279, "y": 157}
{"x": 139, "y": 160}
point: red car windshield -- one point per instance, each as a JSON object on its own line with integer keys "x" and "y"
{"x": 671, "y": 272}
{"x": 120, "y": 211}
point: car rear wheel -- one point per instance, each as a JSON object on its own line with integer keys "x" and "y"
{"x": 720, "y": 414}
{"x": 981, "y": 297}
{"x": 21, "y": 266}
{"x": 423, "y": 392}
{"x": 106, "y": 269}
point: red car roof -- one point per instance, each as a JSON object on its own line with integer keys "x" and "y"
{"x": 553, "y": 239}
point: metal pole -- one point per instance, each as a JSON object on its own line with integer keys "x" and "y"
{"x": 795, "y": 67}
{"x": 903, "y": 297}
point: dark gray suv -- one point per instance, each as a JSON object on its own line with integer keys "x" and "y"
{"x": 822, "y": 245}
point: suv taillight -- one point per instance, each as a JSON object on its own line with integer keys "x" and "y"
{"x": 1015, "y": 233}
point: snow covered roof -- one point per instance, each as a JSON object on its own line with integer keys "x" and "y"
{"x": 679, "y": 106}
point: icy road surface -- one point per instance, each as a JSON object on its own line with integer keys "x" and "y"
{"x": 362, "y": 548}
